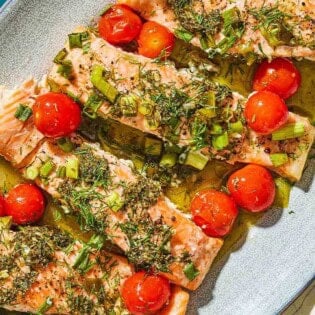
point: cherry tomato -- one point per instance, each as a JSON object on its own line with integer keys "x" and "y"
{"x": 119, "y": 25}
{"x": 155, "y": 40}
{"x": 279, "y": 76}
{"x": 25, "y": 203}
{"x": 145, "y": 293}
{"x": 214, "y": 211}
{"x": 2, "y": 206}
{"x": 56, "y": 115}
{"x": 252, "y": 188}
{"x": 265, "y": 112}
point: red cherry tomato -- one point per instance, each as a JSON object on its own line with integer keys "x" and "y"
{"x": 25, "y": 203}
{"x": 265, "y": 112}
{"x": 2, "y": 206}
{"x": 214, "y": 211}
{"x": 119, "y": 25}
{"x": 155, "y": 40}
{"x": 252, "y": 188}
{"x": 145, "y": 293}
{"x": 56, "y": 115}
{"x": 279, "y": 76}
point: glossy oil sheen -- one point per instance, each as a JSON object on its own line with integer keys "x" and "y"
{"x": 269, "y": 258}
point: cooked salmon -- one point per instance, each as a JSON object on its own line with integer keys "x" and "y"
{"x": 43, "y": 272}
{"x": 269, "y": 28}
{"x": 175, "y": 99}
{"x": 109, "y": 196}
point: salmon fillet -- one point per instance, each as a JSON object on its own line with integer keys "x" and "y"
{"x": 109, "y": 196}
{"x": 269, "y": 28}
{"x": 178, "y": 95}
{"x": 40, "y": 270}
{"x": 37, "y": 278}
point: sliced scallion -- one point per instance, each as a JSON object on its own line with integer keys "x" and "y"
{"x": 76, "y": 39}
{"x": 46, "y": 168}
{"x": 114, "y": 201}
{"x": 92, "y": 105}
{"x": 221, "y": 141}
{"x": 145, "y": 108}
{"x": 97, "y": 79}
{"x": 72, "y": 168}
{"x": 168, "y": 160}
{"x": 283, "y": 190}
{"x": 279, "y": 159}
{"x": 65, "y": 69}
{"x": 32, "y": 172}
{"x": 196, "y": 160}
{"x": 61, "y": 172}
{"x": 65, "y": 144}
{"x": 23, "y": 112}
{"x": 184, "y": 35}
{"x": 60, "y": 57}
{"x": 289, "y": 131}
{"x": 216, "y": 129}
{"x": 129, "y": 105}
{"x": 236, "y": 126}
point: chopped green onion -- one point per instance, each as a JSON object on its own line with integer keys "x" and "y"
{"x": 65, "y": 69}
{"x": 32, "y": 172}
{"x": 61, "y": 172}
{"x": 23, "y": 112}
{"x": 61, "y": 56}
{"x": 279, "y": 159}
{"x": 195, "y": 159}
{"x": 145, "y": 108}
{"x": 236, "y": 126}
{"x": 46, "y": 168}
{"x": 72, "y": 168}
{"x": 76, "y": 39}
{"x": 168, "y": 160}
{"x": 129, "y": 105}
{"x": 153, "y": 122}
{"x": 191, "y": 272}
{"x": 206, "y": 112}
{"x": 65, "y": 144}
{"x": 5, "y": 223}
{"x": 230, "y": 17}
{"x": 184, "y": 35}
{"x": 289, "y": 131}
{"x": 114, "y": 201}
{"x": 216, "y": 129}
{"x": 92, "y": 105}
{"x": 86, "y": 48}
{"x": 45, "y": 307}
{"x": 283, "y": 189}
{"x": 97, "y": 79}
{"x": 220, "y": 142}
{"x": 153, "y": 147}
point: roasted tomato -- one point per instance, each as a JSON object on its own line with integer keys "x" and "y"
{"x": 25, "y": 203}
{"x": 145, "y": 293}
{"x": 56, "y": 115}
{"x": 119, "y": 25}
{"x": 214, "y": 211}
{"x": 252, "y": 188}
{"x": 2, "y": 206}
{"x": 155, "y": 41}
{"x": 279, "y": 76}
{"x": 265, "y": 112}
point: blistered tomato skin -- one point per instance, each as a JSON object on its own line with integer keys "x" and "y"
{"x": 279, "y": 76}
{"x": 252, "y": 188}
{"x": 25, "y": 203}
{"x": 214, "y": 211}
{"x": 265, "y": 112}
{"x": 56, "y": 115}
{"x": 145, "y": 293}
{"x": 155, "y": 40}
{"x": 2, "y": 206}
{"x": 119, "y": 25}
